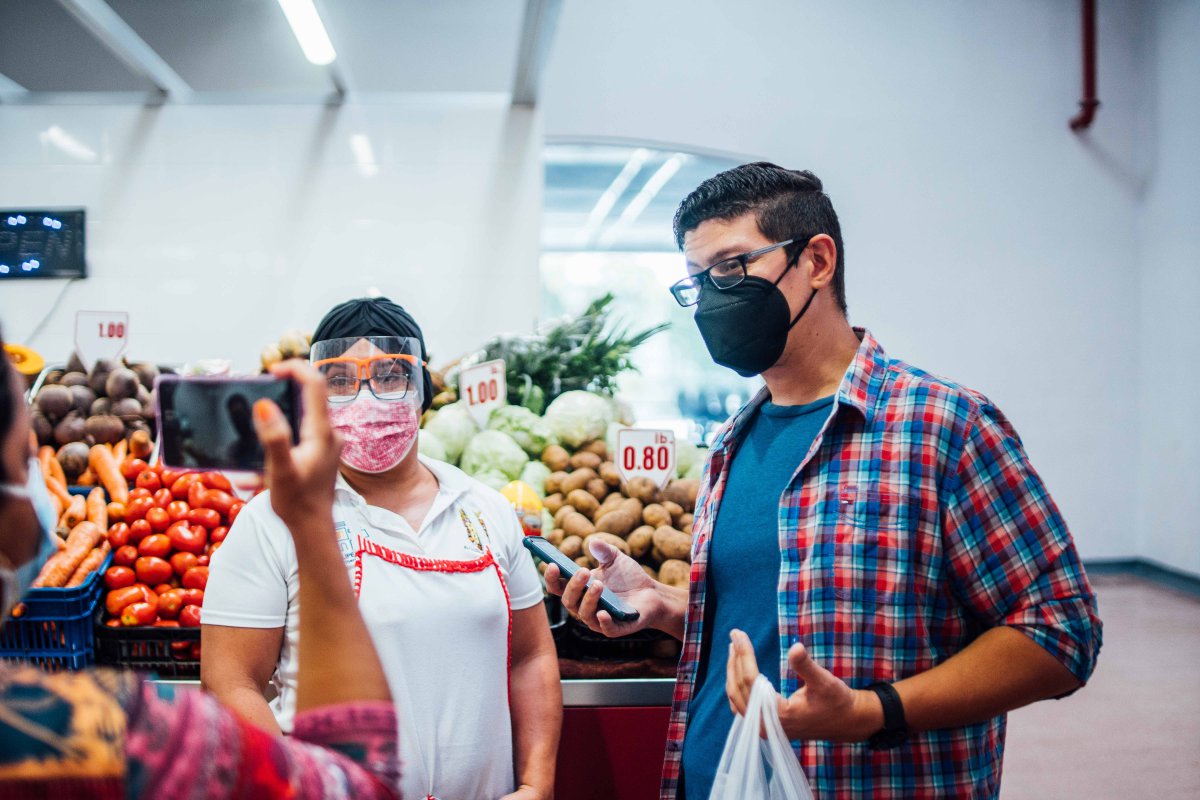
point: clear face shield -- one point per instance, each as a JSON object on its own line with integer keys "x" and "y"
{"x": 376, "y": 390}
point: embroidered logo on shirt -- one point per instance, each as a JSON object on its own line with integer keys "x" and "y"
{"x": 472, "y": 536}
{"x": 345, "y": 546}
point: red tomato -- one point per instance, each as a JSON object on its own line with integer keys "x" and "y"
{"x": 154, "y": 570}
{"x": 213, "y": 548}
{"x": 117, "y": 599}
{"x": 139, "y": 530}
{"x": 188, "y": 538}
{"x": 125, "y": 556}
{"x": 113, "y": 623}
{"x": 182, "y": 562}
{"x": 218, "y": 534}
{"x": 189, "y": 617}
{"x": 162, "y": 587}
{"x": 166, "y": 623}
{"x": 193, "y": 597}
{"x": 159, "y": 519}
{"x": 136, "y": 614}
{"x": 179, "y": 489}
{"x": 170, "y": 604}
{"x": 194, "y": 651}
{"x": 196, "y": 578}
{"x": 196, "y": 493}
{"x": 132, "y": 467}
{"x": 234, "y": 510}
{"x": 157, "y": 545}
{"x": 119, "y": 577}
{"x": 134, "y": 494}
{"x": 219, "y": 501}
{"x": 118, "y": 535}
{"x": 202, "y": 561}
{"x": 169, "y": 476}
{"x": 149, "y": 481}
{"x": 177, "y": 510}
{"x": 215, "y": 480}
{"x": 204, "y": 516}
{"x": 163, "y": 498}
{"x": 137, "y": 508}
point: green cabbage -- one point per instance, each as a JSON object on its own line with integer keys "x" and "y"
{"x": 493, "y": 451}
{"x": 430, "y": 446}
{"x": 525, "y": 427}
{"x": 535, "y": 474}
{"x": 577, "y": 417}
{"x": 686, "y": 455}
{"x": 492, "y": 479}
{"x": 453, "y": 426}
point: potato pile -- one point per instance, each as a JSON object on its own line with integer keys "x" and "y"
{"x": 587, "y": 497}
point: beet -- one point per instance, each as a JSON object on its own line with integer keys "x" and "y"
{"x": 75, "y": 364}
{"x": 122, "y": 383}
{"x": 128, "y": 409}
{"x": 71, "y": 429}
{"x": 105, "y": 430}
{"x": 73, "y": 458}
{"x": 42, "y": 428}
{"x": 100, "y": 407}
{"x": 73, "y": 379}
{"x": 82, "y": 398}
{"x": 147, "y": 373}
{"x": 137, "y": 425}
{"x": 98, "y": 377}
{"x": 54, "y": 402}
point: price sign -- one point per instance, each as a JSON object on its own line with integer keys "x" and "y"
{"x": 483, "y": 388}
{"x": 645, "y": 453}
{"x": 101, "y": 334}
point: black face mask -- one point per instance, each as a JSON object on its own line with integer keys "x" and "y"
{"x": 746, "y": 327}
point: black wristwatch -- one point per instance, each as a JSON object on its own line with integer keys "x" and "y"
{"x": 895, "y": 728}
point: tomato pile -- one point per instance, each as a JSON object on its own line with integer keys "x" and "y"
{"x": 161, "y": 542}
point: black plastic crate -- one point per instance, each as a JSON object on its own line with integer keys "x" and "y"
{"x": 165, "y": 652}
{"x": 586, "y": 644}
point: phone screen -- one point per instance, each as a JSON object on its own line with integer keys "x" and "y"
{"x": 208, "y": 423}
{"x": 547, "y": 552}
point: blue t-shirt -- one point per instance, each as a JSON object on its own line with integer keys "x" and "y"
{"x": 743, "y": 575}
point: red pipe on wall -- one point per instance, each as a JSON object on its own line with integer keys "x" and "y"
{"x": 1089, "y": 103}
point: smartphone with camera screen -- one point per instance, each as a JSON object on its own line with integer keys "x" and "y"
{"x": 208, "y": 422}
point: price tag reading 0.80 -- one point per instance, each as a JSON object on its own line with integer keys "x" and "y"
{"x": 646, "y": 454}
{"x": 483, "y": 388}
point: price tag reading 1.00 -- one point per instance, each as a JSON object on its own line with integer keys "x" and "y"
{"x": 483, "y": 388}
{"x": 646, "y": 454}
{"x": 101, "y": 335}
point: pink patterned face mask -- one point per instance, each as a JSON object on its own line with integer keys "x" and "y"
{"x": 377, "y": 434}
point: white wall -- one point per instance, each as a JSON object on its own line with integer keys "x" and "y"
{"x": 1169, "y": 459}
{"x": 218, "y": 227}
{"x": 984, "y": 240}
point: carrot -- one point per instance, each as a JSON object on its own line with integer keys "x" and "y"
{"x": 97, "y": 508}
{"x": 18, "y": 610}
{"x": 62, "y": 566}
{"x": 50, "y": 464}
{"x": 102, "y": 462}
{"x": 90, "y": 563}
{"x": 76, "y": 511}
{"x": 59, "y": 489}
{"x": 86, "y": 478}
{"x": 120, "y": 450}
{"x": 140, "y": 445}
{"x": 57, "y": 504}
{"x": 116, "y": 512}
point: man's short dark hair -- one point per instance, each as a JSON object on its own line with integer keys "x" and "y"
{"x": 786, "y": 203}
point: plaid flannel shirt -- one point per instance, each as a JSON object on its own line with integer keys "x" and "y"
{"x": 914, "y": 524}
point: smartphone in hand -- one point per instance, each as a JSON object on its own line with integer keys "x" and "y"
{"x": 547, "y": 552}
{"x": 208, "y": 423}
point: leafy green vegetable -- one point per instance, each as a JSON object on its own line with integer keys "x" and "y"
{"x": 576, "y": 417}
{"x": 525, "y": 427}
{"x": 493, "y": 451}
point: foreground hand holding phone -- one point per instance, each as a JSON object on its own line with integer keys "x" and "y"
{"x": 658, "y": 606}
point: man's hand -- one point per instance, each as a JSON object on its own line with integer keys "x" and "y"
{"x": 623, "y": 576}
{"x": 824, "y": 709}
{"x": 526, "y": 793}
{"x": 301, "y": 478}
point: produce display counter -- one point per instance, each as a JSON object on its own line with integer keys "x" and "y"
{"x": 613, "y": 738}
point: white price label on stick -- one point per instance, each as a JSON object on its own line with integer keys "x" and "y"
{"x": 101, "y": 335}
{"x": 483, "y": 388}
{"x": 644, "y": 453}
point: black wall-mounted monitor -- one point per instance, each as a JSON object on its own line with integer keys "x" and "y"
{"x": 45, "y": 243}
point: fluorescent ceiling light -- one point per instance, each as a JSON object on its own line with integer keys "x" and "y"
{"x": 612, "y": 194}
{"x": 310, "y": 32}
{"x": 68, "y": 144}
{"x": 638, "y": 204}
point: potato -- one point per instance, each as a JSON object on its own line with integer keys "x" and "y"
{"x": 655, "y": 516}
{"x": 685, "y": 520}
{"x": 584, "y": 562}
{"x": 596, "y": 446}
{"x": 572, "y": 546}
{"x": 688, "y": 529}
{"x": 576, "y": 524}
{"x": 643, "y": 489}
{"x": 618, "y": 522}
{"x": 556, "y": 458}
{"x": 649, "y": 570}
{"x": 633, "y": 506}
{"x": 584, "y": 503}
{"x": 683, "y": 492}
{"x": 640, "y": 541}
{"x": 555, "y": 537}
{"x": 610, "y": 474}
{"x": 615, "y": 541}
{"x": 657, "y": 556}
{"x": 554, "y": 483}
{"x": 672, "y": 543}
{"x": 585, "y": 460}
{"x": 562, "y": 512}
{"x": 577, "y": 480}
{"x": 674, "y": 509}
{"x": 553, "y": 502}
{"x": 675, "y": 573}
{"x": 597, "y": 488}
{"x": 610, "y": 503}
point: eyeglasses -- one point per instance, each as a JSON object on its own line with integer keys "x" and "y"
{"x": 389, "y": 376}
{"x": 723, "y": 275}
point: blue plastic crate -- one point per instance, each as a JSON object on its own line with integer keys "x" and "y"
{"x": 55, "y": 632}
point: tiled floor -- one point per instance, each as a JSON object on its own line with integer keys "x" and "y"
{"x": 1134, "y": 731}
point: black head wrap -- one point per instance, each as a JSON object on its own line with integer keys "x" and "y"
{"x": 374, "y": 316}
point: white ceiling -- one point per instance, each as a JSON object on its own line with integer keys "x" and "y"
{"x": 234, "y": 46}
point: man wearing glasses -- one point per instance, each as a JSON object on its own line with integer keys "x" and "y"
{"x": 870, "y": 537}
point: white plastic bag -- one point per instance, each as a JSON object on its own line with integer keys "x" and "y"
{"x": 752, "y": 767}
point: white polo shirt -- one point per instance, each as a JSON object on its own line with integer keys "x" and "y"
{"x": 253, "y": 581}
